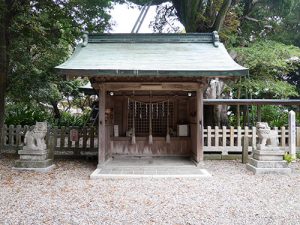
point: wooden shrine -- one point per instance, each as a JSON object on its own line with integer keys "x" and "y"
{"x": 150, "y": 89}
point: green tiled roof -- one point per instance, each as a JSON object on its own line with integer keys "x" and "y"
{"x": 171, "y": 55}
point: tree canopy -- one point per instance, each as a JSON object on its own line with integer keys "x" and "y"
{"x": 35, "y": 36}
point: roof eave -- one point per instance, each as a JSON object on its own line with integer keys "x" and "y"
{"x": 153, "y": 73}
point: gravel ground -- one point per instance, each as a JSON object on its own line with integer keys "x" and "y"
{"x": 232, "y": 195}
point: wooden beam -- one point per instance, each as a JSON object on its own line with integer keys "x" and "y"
{"x": 154, "y": 86}
{"x": 101, "y": 129}
{"x": 199, "y": 129}
{"x": 251, "y": 102}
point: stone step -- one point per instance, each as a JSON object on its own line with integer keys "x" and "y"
{"x": 33, "y": 164}
{"x": 268, "y": 164}
{"x": 256, "y": 170}
{"x": 268, "y": 157}
{"x": 33, "y": 157}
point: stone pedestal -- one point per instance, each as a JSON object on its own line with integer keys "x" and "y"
{"x": 36, "y": 160}
{"x": 268, "y": 161}
{"x": 35, "y": 155}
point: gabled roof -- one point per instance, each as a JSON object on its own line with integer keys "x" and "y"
{"x": 163, "y": 55}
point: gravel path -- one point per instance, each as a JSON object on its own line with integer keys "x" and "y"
{"x": 66, "y": 196}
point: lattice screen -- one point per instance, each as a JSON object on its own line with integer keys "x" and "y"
{"x": 140, "y": 112}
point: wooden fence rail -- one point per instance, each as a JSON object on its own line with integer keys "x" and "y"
{"x": 85, "y": 142}
{"x": 229, "y": 140}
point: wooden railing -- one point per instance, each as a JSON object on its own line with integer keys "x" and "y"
{"x": 229, "y": 140}
{"x": 85, "y": 141}
{"x": 216, "y": 140}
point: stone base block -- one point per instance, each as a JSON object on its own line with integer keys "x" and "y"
{"x": 25, "y": 164}
{"x": 33, "y": 155}
{"x": 256, "y": 170}
{"x": 268, "y": 164}
{"x": 268, "y": 155}
{"x": 32, "y": 152}
{"x": 40, "y": 170}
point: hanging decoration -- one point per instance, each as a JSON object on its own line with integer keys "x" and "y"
{"x": 153, "y": 111}
{"x": 168, "y": 138}
{"x": 133, "y": 139}
{"x": 140, "y": 110}
{"x": 150, "y": 121}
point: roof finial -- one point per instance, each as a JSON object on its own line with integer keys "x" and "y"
{"x": 216, "y": 38}
{"x": 85, "y": 39}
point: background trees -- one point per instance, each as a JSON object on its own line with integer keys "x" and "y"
{"x": 263, "y": 35}
{"x": 35, "y": 36}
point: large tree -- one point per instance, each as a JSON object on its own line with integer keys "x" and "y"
{"x": 35, "y": 36}
{"x": 241, "y": 23}
{"x": 195, "y": 15}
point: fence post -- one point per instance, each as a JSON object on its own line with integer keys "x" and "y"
{"x": 216, "y": 136}
{"x": 245, "y": 149}
{"x": 231, "y": 136}
{"x": 208, "y": 136}
{"x": 224, "y": 149}
{"x": 62, "y": 137}
{"x": 298, "y": 136}
{"x": 224, "y": 136}
{"x": 239, "y": 136}
{"x": 52, "y": 145}
{"x": 3, "y": 138}
{"x": 253, "y": 138}
{"x": 292, "y": 133}
{"x": 282, "y": 144}
{"x": 18, "y": 135}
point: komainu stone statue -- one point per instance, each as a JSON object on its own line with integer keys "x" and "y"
{"x": 268, "y": 157}
{"x": 35, "y": 139}
{"x": 266, "y": 135}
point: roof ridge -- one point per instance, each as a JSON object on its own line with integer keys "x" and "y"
{"x": 154, "y": 38}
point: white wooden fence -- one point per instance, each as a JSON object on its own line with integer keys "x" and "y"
{"x": 216, "y": 140}
{"x": 229, "y": 140}
{"x": 86, "y": 142}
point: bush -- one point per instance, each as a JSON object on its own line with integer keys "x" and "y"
{"x": 67, "y": 119}
{"x": 22, "y": 114}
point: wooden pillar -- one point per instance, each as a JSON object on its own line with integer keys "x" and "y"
{"x": 199, "y": 125}
{"x": 101, "y": 129}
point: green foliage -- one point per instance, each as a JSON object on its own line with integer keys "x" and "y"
{"x": 268, "y": 58}
{"x": 68, "y": 119}
{"x": 275, "y": 116}
{"x": 298, "y": 155}
{"x": 288, "y": 158}
{"x": 26, "y": 114}
{"x": 42, "y": 35}
{"x": 269, "y": 19}
{"x": 23, "y": 114}
{"x": 270, "y": 65}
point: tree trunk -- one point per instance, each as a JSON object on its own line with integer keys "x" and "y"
{"x": 216, "y": 115}
{"x": 56, "y": 112}
{"x": 3, "y": 67}
{"x": 221, "y": 15}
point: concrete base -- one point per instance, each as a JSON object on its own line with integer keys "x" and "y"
{"x": 34, "y": 160}
{"x": 256, "y": 170}
{"x": 268, "y": 164}
{"x": 153, "y": 167}
{"x": 268, "y": 155}
{"x": 40, "y": 170}
{"x": 33, "y": 164}
{"x": 268, "y": 161}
